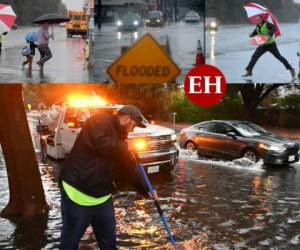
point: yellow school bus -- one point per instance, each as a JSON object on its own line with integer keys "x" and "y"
{"x": 78, "y": 24}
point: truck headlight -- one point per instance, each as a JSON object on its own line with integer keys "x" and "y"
{"x": 275, "y": 148}
{"x": 173, "y": 137}
{"x": 119, "y": 23}
{"x": 136, "y": 23}
{"x": 147, "y": 21}
{"x": 158, "y": 20}
{"x": 140, "y": 144}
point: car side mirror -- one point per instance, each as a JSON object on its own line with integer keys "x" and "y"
{"x": 231, "y": 134}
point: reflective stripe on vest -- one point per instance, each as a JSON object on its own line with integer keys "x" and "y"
{"x": 265, "y": 31}
{"x": 81, "y": 198}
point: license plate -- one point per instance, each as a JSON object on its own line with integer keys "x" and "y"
{"x": 153, "y": 169}
{"x": 292, "y": 158}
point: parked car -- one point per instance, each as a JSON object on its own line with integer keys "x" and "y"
{"x": 237, "y": 139}
{"x": 211, "y": 24}
{"x": 130, "y": 22}
{"x": 192, "y": 16}
{"x": 155, "y": 19}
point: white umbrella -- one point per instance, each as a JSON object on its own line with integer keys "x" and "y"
{"x": 7, "y": 18}
{"x": 253, "y": 10}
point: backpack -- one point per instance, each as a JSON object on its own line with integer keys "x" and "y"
{"x": 26, "y": 50}
{"x": 31, "y": 37}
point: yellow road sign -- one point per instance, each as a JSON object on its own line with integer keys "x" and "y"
{"x": 144, "y": 62}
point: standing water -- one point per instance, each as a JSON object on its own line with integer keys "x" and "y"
{"x": 209, "y": 204}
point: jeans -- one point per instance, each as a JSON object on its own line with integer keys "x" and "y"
{"x": 272, "y": 48}
{"x": 76, "y": 219}
{"x": 45, "y": 54}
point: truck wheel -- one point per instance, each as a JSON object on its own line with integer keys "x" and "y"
{"x": 251, "y": 155}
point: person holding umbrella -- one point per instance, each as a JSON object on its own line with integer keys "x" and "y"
{"x": 43, "y": 37}
{"x": 267, "y": 25}
{"x": 99, "y": 157}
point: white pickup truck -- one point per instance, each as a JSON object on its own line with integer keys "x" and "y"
{"x": 156, "y": 145}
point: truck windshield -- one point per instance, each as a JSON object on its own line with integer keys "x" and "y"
{"x": 77, "y": 18}
{"x": 154, "y": 15}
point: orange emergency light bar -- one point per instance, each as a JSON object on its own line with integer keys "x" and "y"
{"x": 81, "y": 101}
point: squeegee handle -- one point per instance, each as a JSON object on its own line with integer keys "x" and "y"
{"x": 156, "y": 202}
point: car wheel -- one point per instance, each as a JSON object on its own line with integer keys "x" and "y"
{"x": 191, "y": 146}
{"x": 251, "y": 155}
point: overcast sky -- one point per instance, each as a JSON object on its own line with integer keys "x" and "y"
{"x": 297, "y": 1}
{"x": 73, "y": 4}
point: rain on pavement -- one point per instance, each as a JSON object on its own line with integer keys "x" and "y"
{"x": 230, "y": 50}
{"x": 67, "y": 64}
{"x": 182, "y": 37}
{"x": 210, "y": 204}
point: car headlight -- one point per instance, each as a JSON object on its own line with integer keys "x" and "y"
{"x": 147, "y": 21}
{"x": 213, "y": 25}
{"x": 136, "y": 23}
{"x": 276, "y": 148}
{"x": 173, "y": 137}
{"x": 140, "y": 144}
{"x": 158, "y": 20}
{"x": 119, "y": 23}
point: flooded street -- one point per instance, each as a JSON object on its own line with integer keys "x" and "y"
{"x": 182, "y": 37}
{"x": 221, "y": 205}
{"x": 67, "y": 64}
{"x": 230, "y": 50}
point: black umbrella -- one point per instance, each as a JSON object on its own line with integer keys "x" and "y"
{"x": 51, "y": 18}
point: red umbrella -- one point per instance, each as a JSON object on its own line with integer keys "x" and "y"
{"x": 253, "y": 10}
{"x": 7, "y": 18}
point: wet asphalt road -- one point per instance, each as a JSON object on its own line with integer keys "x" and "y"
{"x": 218, "y": 204}
{"x": 229, "y": 49}
{"x": 67, "y": 64}
{"x": 182, "y": 36}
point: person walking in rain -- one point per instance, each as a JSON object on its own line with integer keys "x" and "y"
{"x": 1, "y": 41}
{"x": 31, "y": 39}
{"x": 99, "y": 157}
{"x": 43, "y": 37}
{"x": 266, "y": 28}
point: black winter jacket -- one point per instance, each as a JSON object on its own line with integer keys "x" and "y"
{"x": 100, "y": 156}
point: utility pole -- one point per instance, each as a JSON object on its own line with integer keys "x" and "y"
{"x": 99, "y": 13}
{"x": 176, "y": 10}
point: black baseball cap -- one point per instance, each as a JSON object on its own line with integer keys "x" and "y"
{"x": 135, "y": 114}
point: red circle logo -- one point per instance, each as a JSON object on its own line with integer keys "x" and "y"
{"x": 205, "y": 85}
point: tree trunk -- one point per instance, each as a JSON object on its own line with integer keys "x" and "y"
{"x": 27, "y": 197}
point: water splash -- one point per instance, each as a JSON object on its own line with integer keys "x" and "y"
{"x": 242, "y": 163}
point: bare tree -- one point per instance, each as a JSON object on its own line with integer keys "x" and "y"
{"x": 27, "y": 197}
{"x": 254, "y": 94}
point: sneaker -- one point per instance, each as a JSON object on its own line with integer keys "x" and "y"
{"x": 293, "y": 73}
{"x": 248, "y": 73}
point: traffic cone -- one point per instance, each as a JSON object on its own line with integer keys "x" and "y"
{"x": 200, "y": 60}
